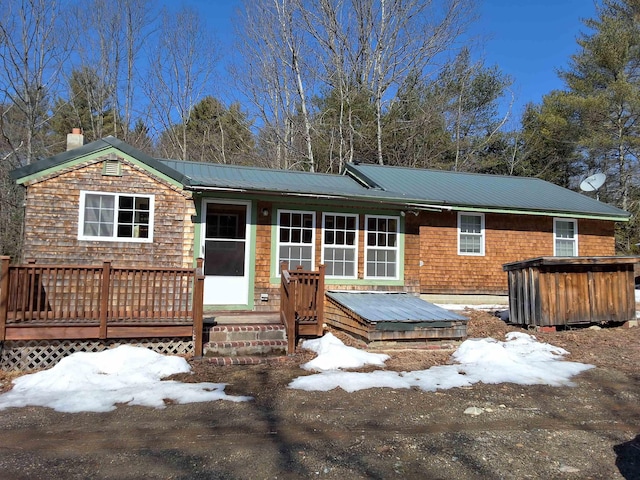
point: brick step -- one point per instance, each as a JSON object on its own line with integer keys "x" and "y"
{"x": 244, "y": 348}
{"x": 224, "y": 361}
{"x": 241, "y": 318}
{"x": 241, "y": 333}
{"x": 247, "y": 340}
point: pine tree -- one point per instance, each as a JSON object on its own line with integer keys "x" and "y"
{"x": 88, "y": 107}
{"x": 214, "y": 133}
{"x": 603, "y": 101}
{"x": 604, "y": 92}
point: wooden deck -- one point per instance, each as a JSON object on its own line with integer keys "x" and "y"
{"x": 46, "y": 302}
{"x": 85, "y": 302}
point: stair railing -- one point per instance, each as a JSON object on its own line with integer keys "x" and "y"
{"x": 301, "y": 303}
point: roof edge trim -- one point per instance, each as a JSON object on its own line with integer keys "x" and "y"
{"x": 93, "y": 150}
{"x": 587, "y": 216}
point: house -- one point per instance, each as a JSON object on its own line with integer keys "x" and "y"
{"x": 374, "y": 227}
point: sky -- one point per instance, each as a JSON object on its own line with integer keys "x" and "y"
{"x": 531, "y": 39}
{"x": 128, "y": 375}
{"x": 527, "y": 39}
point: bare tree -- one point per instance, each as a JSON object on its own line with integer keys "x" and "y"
{"x": 276, "y": 75}
{"x": 286, "y": 14}
{"x": 114, "y": 34}
{"x": 397, "y": 37}
{"x": 181, "y": 66}
{"x": 331, "y": 26}
{"x": 33, "y": 49}
{"x": 11, "y": 195}
{"x": 350, "y": 48}
{"x": 137, "y": 16}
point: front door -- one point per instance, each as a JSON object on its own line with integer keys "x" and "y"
{"x": 226, "y": 252}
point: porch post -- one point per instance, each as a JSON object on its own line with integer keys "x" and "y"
{"x": 4, "y": 294}
{"x": 320, "y": 301}
{"x": 198, "y": 307}
{"x": 104, "y": 299}
{"x": 292, "y": 323}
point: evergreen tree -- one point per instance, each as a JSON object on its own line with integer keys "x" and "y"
{"x": 415, "y": 133}
{"x": 215, "y": 134}
{"x": 88, "y": 107}
{"x": 470, "y": 93}
{"x": 344, "y": 129}
{"x": 603, "y": 102}
{"x": 546, "y": 146}
{"x": 139, "y": 137}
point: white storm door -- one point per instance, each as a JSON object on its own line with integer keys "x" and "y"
{"x": 226, "y": 252}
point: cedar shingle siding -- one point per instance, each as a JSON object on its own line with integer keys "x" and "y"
{"x": 51, "y": 219}
{"x": 509, "y": 238}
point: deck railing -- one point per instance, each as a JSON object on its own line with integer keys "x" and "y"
{"x": 43, "y": 295}
{"x": 301, "y": 303}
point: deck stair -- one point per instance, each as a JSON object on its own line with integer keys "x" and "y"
{"x": 237, "y": 338}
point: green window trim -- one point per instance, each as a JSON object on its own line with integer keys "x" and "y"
{"x": 340, "y": 245}
{"x": 360, "y": 281}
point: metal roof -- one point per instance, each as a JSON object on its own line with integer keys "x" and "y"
{"x": 456, "y": 189}
{"x": 402, "y": 187}
{"x": 392, "y": 307}
{"x": 213, "y": 175}
{"x": 94, "y": 147}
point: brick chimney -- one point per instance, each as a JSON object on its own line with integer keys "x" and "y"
{"x": 75, "y": 139}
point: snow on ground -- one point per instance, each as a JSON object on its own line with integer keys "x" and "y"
{"x": 334, "y": 355}
{"x": 520, "y": 359}
{"x": 97, "y": 382}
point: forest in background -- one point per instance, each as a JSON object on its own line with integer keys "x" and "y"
{"x": 316, "y": 84}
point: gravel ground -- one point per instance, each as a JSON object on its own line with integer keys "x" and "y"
{"x": 589, "y": 431}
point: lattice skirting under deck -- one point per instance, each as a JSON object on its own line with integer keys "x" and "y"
{"x": 29, "y": 355}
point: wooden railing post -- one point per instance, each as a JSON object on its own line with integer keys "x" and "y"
{"x": 288, "y": 295}
{"x": 291, "y": 316}
{"x": 4, "y": 294}
{"x": 320, "y": 301}
{"x": 32, "y": 287}
{"x": 198, "y": 307}
{"x": 284, "y": 267}
{"x": 104, "y": 299}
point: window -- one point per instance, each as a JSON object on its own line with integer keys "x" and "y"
{"x": 381, "y": 247}
{"x": 296, "y": 239}
{"x": 565, "y": 234}
{"x": 470, "y": 234}
{"x": 339, "y": 245}
{"x": 115, "y": 217}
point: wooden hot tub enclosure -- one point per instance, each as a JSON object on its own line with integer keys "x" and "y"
{"x": 557, "y": 291}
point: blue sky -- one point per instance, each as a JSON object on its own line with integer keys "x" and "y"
{"x": 531, "y": 39}
{"x": 528, "y": 39}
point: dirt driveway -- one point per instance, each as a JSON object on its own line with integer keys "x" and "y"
{"x": 591, "y": 430}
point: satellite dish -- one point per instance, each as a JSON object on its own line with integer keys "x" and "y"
{"x": 593, "y": 182}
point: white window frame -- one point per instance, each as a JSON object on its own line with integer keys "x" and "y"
{"x": 556, "y": 238}
{"x": 368, "y": 248}
{"x": 279, "y": 243}
{"x": 114, "y": 237}
{"x": 354, "y": 248}
{"x": 481, "y": 235}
